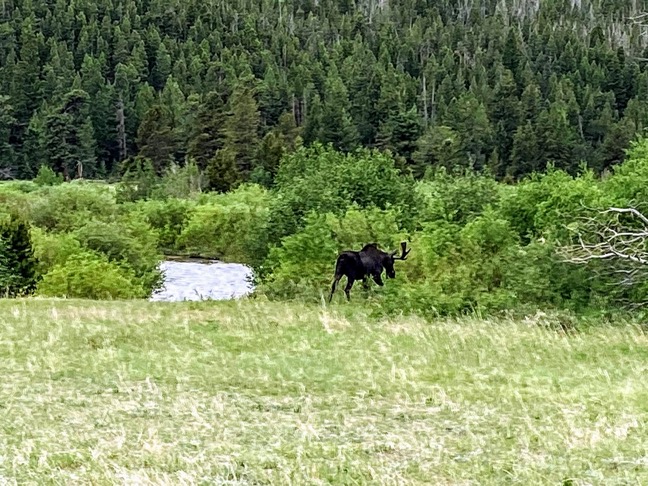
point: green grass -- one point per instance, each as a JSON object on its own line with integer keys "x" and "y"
{"x": 260, "y": 393}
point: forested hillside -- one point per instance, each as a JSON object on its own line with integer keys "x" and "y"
{"x": 87, "y": 86}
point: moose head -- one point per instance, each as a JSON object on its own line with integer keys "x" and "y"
{"x": 388, "y": 261}
{"x": 368, "y": 262}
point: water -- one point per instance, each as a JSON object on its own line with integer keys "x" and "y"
{"x": 202, "y": 281}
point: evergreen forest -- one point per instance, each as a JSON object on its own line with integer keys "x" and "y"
{"x": 92, "y": 89}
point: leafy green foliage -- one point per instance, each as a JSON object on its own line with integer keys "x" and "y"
{"x": 478, "y": 245}
{"x": 227, "y": 226}
{"x": 129, "y": 243}
{"x": 458, "y": 197}
{"x": 322, "y": 179}
{"x": 305, "y": 262}
{"x": 65, "y": 207}
{"x": 168, "y": 218}
{"x": 89, "y": 275}
{"x": 47, "y": 177}
{"x": 18, "y": 266}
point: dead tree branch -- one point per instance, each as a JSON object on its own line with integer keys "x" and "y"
{"x": 614, "y": 243}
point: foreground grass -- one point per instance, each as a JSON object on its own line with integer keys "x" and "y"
{"x": 258, "y": 393}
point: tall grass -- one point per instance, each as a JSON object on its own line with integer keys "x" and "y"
{"x": 253, "y": 392}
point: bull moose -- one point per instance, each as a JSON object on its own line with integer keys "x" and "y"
{"x": 368, "y": 262}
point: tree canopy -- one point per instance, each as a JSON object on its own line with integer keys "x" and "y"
{"x": 504, "y": 85}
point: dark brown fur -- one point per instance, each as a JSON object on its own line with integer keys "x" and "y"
{"x": 368, "y": 262}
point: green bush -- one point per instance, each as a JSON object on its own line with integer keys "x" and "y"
{"x": 129, "y": 243}
{"x": 169, "y": 218}
{"x": 180, "y": 183}
{"x": 51, "y": 249}
{"x": 304, "y": 264}
{"x": 69, "y": 206}
{"x": 455, "y": 269}
{"x": 47, "y": 177}
{"x": 88, "y": 275}
{"x": 18, "y": 266}
{"x": 139, "y": 180}
{"x": 628, "y": 186}
{"x": 321, "y": 179}
{"x": 227, "y": 226}
{"x": 458, "y": 197}
{"x": 543, "y": 205}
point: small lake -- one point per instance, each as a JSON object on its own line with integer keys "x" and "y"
{"x": 203, "y": 280}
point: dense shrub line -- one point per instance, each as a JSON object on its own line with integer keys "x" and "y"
{"x": 478, "y": 244}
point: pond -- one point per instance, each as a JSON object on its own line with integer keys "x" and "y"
{"x": 203, "y": 280}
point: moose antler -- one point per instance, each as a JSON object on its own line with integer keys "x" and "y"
{"x": 404, "y": 252}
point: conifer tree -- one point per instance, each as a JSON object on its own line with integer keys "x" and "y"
{"x": 7, "y": 154}
{"x": 241, "y": 128}
{"x": 69, "y": 140}
{"x": 207, "y": 135}
{"x": 155, "y": 138}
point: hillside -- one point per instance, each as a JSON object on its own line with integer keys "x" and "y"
{"x": 233, "y": 85}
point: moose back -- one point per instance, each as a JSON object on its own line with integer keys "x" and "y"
{"x": 368, "y": 262}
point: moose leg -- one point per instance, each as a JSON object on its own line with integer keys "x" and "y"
{"x": 377, "y": 279}
{"x": 333, "y": 287}
{"x": 347, "y": 289}
{"x": 365, "y": 282}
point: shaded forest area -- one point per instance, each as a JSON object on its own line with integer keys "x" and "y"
{"x": 91, "y": 88}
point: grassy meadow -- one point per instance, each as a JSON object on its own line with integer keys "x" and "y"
{"x": 252, "y": 392}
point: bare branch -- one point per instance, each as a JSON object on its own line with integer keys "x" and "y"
{"x": 627, "y": 210}
{"x": 615, "y": 242}
{"x": 6, "y": 173}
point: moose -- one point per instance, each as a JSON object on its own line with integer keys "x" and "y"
{"x": 368, "y": 262}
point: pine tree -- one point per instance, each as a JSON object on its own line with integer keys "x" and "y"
{"x": 222, "y": 171}
{"x": 69, "y": 141}
{"x": 241, "y": 129}
{"x": 101, "y": 109}
{"x": 400, "y": 133}
{"x": 505, "y": 113}
{"x": 26, "y": 95}
{"x": 526, "y": 154}
{"x": 7, "y": 122}
{"x": 155, "y": 138}
{"x": 557, "y": 139}
{"x": 440, "y": 146}
{"x": 162, "y": 67}
{"x": 335, "y": 123}
{"x": 207, "y": 135}
{"x": 467, "y": 116}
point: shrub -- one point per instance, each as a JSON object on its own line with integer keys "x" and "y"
{"x": 458, "y": 197}
{"x": 322, "y": 179}
{"x": 543, "y": 205}
{"x": 88, "y": 275}
{"x": 69, "y": 206}
{"x": 51, "y": 249}
{"x": 18, "y": 266}
{"x": 179, "y": 182}
{"x": 47, "y": 177}
{"x": 227, "y": 226}
{"x": 139, "y": 180}
{"x": 168, "y": 218}
{"x": 628, "y": 186}
{"x": 130, "y": 243}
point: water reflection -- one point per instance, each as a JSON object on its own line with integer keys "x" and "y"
{"x": 201, "y": 280}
